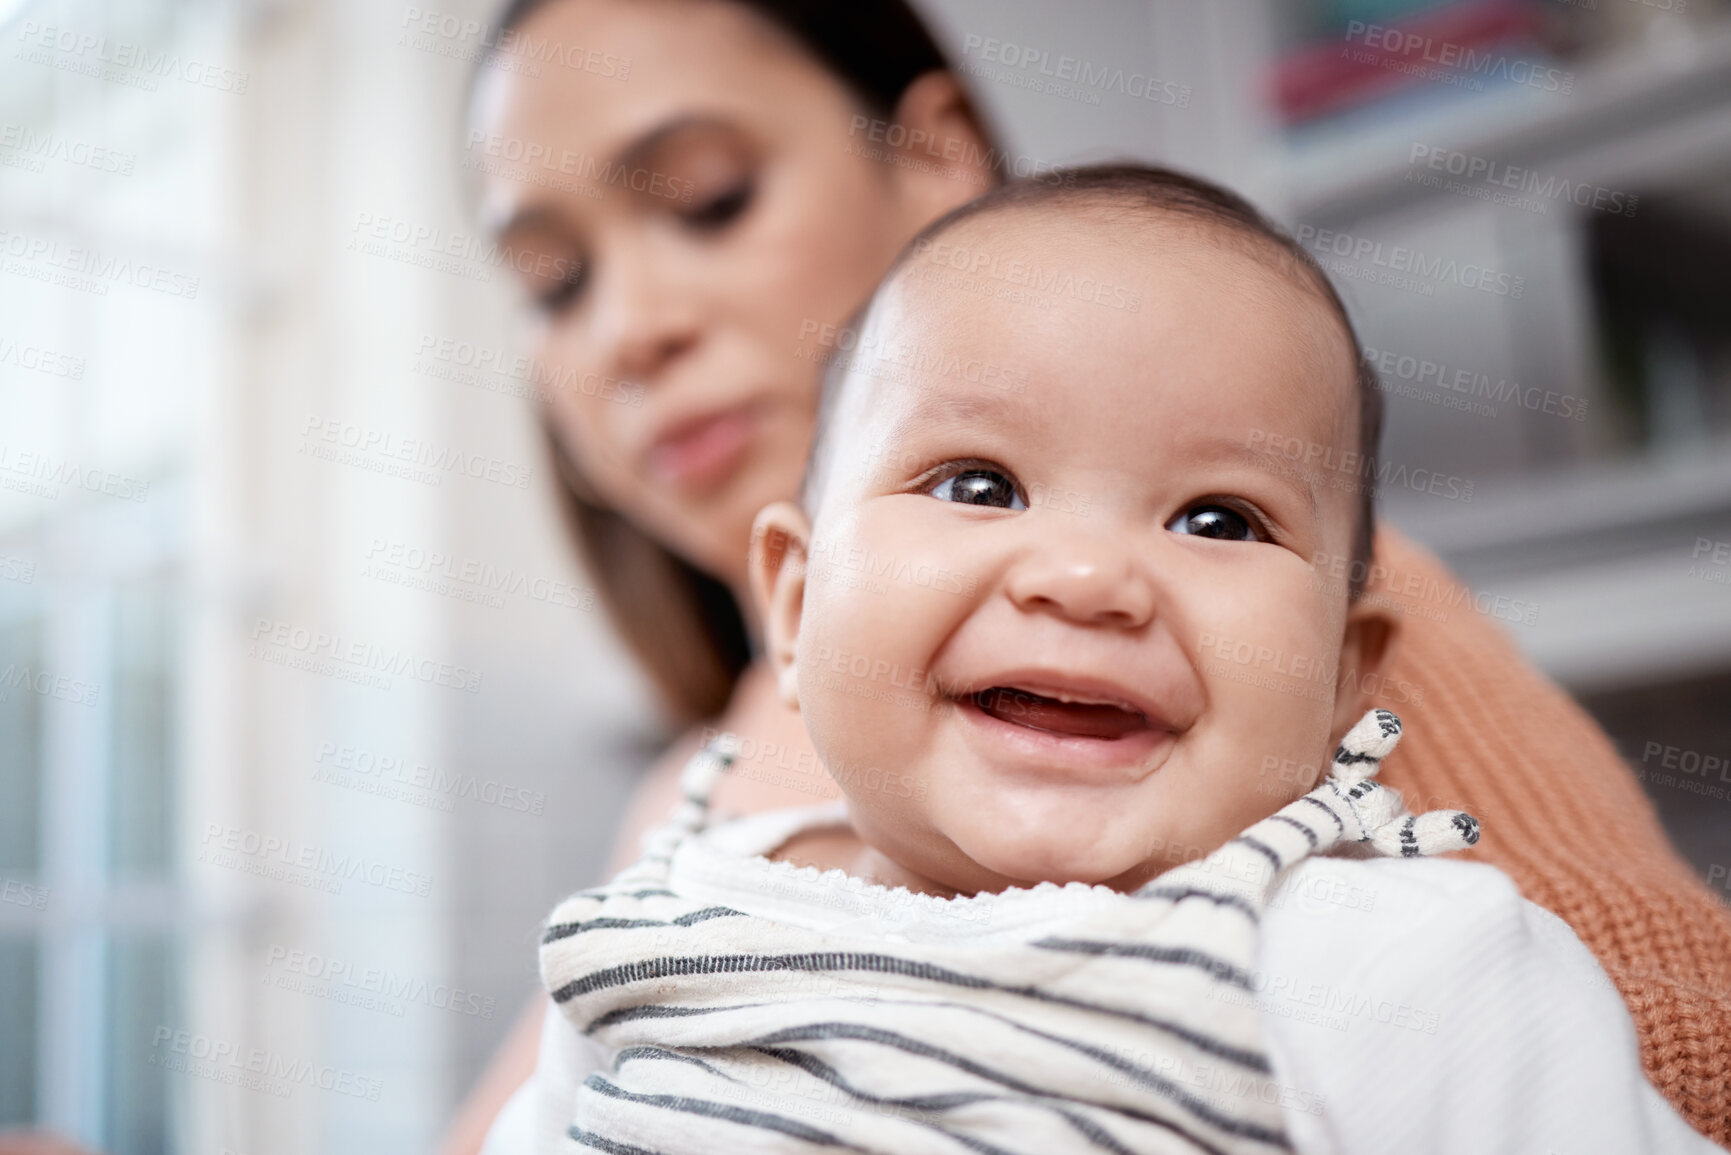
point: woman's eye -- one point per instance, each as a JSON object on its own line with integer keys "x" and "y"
{"x": 722, "y": 209}
{"x": 563, "y": 293}
{"x": 980, "y": 487}
{"x": 1215, "y": 521}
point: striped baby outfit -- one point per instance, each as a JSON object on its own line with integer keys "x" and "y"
{"x": 1134, "y": 1028}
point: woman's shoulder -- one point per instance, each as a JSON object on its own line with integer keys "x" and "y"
{"x": 657, "y": 793}
{"x": 653, "y": 799}
{"x": 776, "y": 768}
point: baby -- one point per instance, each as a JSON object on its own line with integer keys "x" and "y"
{"x": 1055, "y": 623}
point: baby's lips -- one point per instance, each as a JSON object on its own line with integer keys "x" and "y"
{"x": 1031, "y": 685}
{"x": 1080, "y": 719}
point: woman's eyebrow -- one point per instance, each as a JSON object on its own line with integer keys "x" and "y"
{"x": 638, "y": 153}
{"x": 644, "y": 147}
{"x": 529, "y": 217}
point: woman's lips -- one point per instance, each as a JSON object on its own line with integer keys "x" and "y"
{"x": 698, "y": 455}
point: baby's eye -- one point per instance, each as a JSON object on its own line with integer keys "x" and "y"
{"x": 980, "y": 487}
{"x": 1215, "y": 521}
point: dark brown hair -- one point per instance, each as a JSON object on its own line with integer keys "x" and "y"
{"x": 682, "y": 624}
{"x": 1164, "y": 191}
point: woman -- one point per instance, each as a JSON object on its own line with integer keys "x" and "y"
{"x": 733, "y": 188}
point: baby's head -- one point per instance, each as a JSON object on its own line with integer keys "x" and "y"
{"x": 1048, "y": 610}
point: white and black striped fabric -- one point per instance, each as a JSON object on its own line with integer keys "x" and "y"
{"x": 1133, "y": 1030}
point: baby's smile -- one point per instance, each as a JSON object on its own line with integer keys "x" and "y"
{"x": 1059, "y": 725}
{"x": 1070, "y": 725}
{"x": 1060, "y": 712}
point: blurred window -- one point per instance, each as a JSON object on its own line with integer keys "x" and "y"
{"x": 109, "y": 331}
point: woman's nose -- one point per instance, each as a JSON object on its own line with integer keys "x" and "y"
{"x": 644, "y": 326}
{"x": 1089, "y": 580}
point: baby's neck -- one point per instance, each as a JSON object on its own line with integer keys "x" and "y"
{"x": 839, "y": 848}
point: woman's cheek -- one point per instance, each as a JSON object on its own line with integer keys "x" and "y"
{"x": 586, "y": 429}
{"x": 820, "y": 270}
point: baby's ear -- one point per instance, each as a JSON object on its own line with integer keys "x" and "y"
{"x": 1366, "y": 650}
{"x": 780, "y": 544}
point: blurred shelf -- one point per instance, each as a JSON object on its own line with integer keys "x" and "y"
{"x": 1611, "y": 555}
{"x": 1634, "y": 115}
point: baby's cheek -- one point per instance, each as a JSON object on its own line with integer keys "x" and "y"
{"x": 1271, "y": 689}
{"x": 863, "y": 680}
{"x": 881, "y": 599}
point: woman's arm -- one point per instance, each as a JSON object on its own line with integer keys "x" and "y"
{"x": 754, "y": 713}
{"x": 779, "y": 769}
{"x": 510, "y": 1068}
{"x": 36, "y": 1143}
{"x": 1564, "y": 818}
{"x": 514, "y": 1061}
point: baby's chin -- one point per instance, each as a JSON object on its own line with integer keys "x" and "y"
{"x": 1025, "y": 872}
{"x": 1026, "y": 831}
{"x": 1103, "y": 855}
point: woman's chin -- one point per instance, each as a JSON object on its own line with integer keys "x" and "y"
{"x": 705, "y": 533}
{"x": 708, "y": 528}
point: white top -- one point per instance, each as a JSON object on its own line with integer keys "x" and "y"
{"x": 1504, "y": 1036}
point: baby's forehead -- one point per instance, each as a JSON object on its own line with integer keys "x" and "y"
{"x": 1020, "y": 288}
{"x": 1045, "y": 343}
{"x": 1053, "y": 249}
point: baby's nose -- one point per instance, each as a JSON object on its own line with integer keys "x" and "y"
{"x": 1088, "y": 581}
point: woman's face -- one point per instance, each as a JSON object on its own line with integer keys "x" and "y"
{"x": 682, "y": 192}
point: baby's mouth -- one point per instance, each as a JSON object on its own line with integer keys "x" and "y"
{"x": 1078, "y": 719}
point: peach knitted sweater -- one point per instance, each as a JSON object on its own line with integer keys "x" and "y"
{"x": 1486, "y": 733}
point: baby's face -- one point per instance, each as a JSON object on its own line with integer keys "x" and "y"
{"x": 1058, "y": 623}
